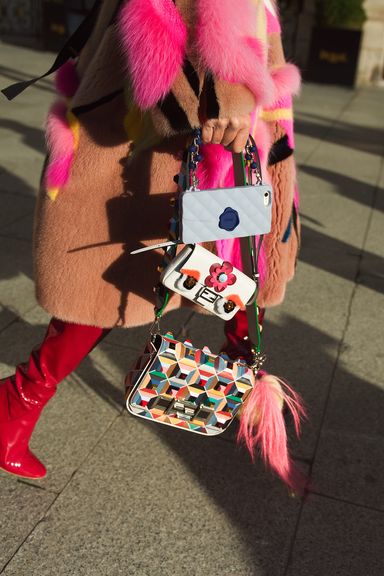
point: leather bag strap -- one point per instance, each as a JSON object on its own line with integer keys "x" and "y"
{"x": 249, "y": 254}
{"x": 71, "y": 49}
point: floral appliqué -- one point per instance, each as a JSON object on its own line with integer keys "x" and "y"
{"x": 220, "y": 276}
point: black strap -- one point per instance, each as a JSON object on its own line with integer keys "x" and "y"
{"x": 71, "y": 49}
{"x": 279, "y": 151}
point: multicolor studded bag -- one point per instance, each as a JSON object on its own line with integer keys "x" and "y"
{"x": 189, "y": 388}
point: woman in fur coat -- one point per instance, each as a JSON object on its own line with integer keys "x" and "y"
{"x": 150, "y": 72}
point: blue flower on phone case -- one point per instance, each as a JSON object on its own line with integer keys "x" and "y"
{"x": 229, "y": 219}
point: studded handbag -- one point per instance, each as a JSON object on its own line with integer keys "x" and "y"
{"x": 189, "y": 388}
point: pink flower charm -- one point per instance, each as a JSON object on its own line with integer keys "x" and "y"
{"x": 221, "y": 276}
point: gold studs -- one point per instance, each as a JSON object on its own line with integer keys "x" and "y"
{"x": 229, "y": 306}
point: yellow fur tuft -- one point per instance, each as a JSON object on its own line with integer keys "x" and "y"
{"x": 52, "y": 193}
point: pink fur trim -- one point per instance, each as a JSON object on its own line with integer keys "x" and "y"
{"x": 227, "y": 47}
{"x": 60, "y": 143}
{"x": 154, "y": 40}
{"x": 273, "y": 24}
{"x": 287, "y": 81}
{"x": 216, "y": 169}
{"x": 262, "y": 423}
{"x": 67, "y": 80}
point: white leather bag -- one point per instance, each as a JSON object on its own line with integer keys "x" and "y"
{"x": 206, "y": 279}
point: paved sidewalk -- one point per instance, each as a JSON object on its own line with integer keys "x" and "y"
{"x": 123, "y": 497}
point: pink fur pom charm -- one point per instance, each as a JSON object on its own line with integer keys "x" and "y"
{"x": 62, "y": 140}
{"x": 262, "y": 424}
{"x": 67, "y": 80}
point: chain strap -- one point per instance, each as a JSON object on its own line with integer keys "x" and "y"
{"x": 193, "y": 160}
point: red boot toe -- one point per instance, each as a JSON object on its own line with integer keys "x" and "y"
{"x": 26, "y": 466}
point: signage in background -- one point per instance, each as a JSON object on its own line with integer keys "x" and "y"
{"x": 60, "y": 20}
{"x": 333, "y": 56}
{"x": 20, "y": 17}
{"x": 41, "y": 23}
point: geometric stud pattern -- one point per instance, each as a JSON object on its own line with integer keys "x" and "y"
{"x": 189, "y": 388}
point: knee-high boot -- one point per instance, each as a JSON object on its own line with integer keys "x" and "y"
{"x": 24, "y": 395}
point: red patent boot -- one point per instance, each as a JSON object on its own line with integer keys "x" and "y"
{"x": 236, "y": 331}
{"x": 24, "y": 395}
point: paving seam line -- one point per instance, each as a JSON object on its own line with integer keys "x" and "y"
{"x": 344, "y": 332}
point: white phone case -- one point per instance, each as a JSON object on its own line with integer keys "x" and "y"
{"x": 208, "y": 215}
{"x": 206, "y": 279}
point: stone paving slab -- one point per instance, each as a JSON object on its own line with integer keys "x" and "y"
{"x": 20, "y": 228}
{"x": 153, "y": 501}
{"x": 22, "y": 120}
{"x": 13, "y": 208}
{"x": 22, "y": 507}
{"x": 338, "y": 539}
{"x": 372, "y": 264}
{"x": 350, "y": 459}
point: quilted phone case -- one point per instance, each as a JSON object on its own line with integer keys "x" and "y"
{"x": 208, "y": 215}
{"x": 206, "y": 279}
{"x": 188, "y": 388}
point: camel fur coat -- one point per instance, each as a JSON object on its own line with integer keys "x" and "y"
{"x": 150, "y": 72}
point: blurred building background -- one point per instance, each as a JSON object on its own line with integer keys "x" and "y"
{"x": 333, "y": 41}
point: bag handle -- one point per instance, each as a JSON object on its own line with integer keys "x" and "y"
{"x": 246, "y": 164}
{"x": 70, "y": 50}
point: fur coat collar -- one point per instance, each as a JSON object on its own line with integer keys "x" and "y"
{"x": 228, "y": 40}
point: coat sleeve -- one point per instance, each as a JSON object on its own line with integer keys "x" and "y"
{"x": 190, "y": 60}
{"x": 281, "y": 246}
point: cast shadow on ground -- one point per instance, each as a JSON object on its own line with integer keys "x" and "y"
{"x": 357, "y": 137}
{"x": 253, "y": 501}
{"x": 13, "y": 75}
{"x": 12, "y": 184}
{"x": 30, "y": 136}
{"x": 339, "y": 258}
{"x": 249, "y": 496}
{"x": 359, "y": 192}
